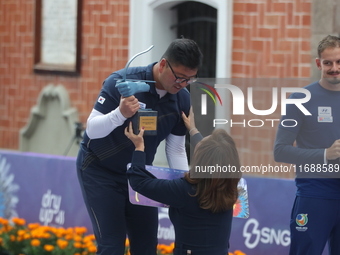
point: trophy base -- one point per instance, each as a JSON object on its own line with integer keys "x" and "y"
{"x": 146, "y": 118}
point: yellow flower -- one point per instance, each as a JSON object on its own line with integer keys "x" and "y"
{"x": 48, "y": 247}
{"x": 62, "y": 243}
{"x": 77, "y": 238}
{"x": 238, "y": 252}
{"x": 18, "y": 221}
{"x": 89, "y": 238}
{"x": 46, "y": 235}
{"x": 21, "y": 232}
{"x": 60, "y": 232}
{"x": 77, "y": 245}
{"x": 92, "y": 248}
{"x": 27, "y": 236}
{"x": 6, "y": 228}
{"x": 80, "y": 230}
{"x": 32, "y": 226}
{"x": 35, "y": 242}
{"x": 4, "y": 221}
{"x": 165, "y": 249}
{"x": 69, "y": 231}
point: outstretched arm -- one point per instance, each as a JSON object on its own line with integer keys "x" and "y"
{"x": 169, "y": 192}
{"x": 189, "y": 121}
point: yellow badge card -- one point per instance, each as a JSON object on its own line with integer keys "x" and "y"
{"x": 148, "y": 122}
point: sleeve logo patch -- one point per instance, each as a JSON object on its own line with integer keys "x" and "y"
{"x": 101, "y": 100}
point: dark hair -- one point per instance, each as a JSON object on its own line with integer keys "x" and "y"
{"x": 184, "y": 52}
{"x": 218, "y": 193}
{"x": 330, "y": 41}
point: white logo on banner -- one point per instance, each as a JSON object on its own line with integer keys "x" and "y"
{"x": 50, "y": 209}
{"x": 253, "y": 235}
{"x": 165, "y": 233}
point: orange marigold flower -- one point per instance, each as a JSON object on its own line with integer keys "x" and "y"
{"x": 35, "y": 242}
{"x": 89, "y": 238}
{"x": 127, "y": 242}
{"x": 27, "y": 236}
{"x": 46, "y": 235}
{"x": 12, "y": 238}
{"x": 60, "y": 232}
{"x": 62, "y": 243}
{"x": 21, "y": 232}
{"x": 77, "y": 245}
{"x": 32, "y": 226}
{"x": 92, "y": 248}
{"x": 80, "y": 230}
{"x": 48, "y": 247}
{"x": 69, "y": 231}
{"x": 77, "y": 238}
{"x": 168, "y": 249}
{"x": 4, "y": 221}
{"x": 6, "y": 228}
{"x": 69, "y": 237}
{"x": 238, "y": 252}
{"x": 54, "y": 230}
{"x": 165, "y": 249}
{"x": 18, "y": 221}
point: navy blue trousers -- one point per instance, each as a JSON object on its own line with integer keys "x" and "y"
{"x": 314, "y": 222}
{"x": 113, "y": 217}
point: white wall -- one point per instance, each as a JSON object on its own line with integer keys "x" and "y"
{"x": 150, "y": 22}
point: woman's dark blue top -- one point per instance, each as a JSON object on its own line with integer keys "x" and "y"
{"x": 196, "y": 229}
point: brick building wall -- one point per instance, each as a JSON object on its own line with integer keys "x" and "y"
{"x": 271, "y": 38}
{"x": 105, "y": 26}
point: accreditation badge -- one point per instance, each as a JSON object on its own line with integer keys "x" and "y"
{"x": 325, "y": 114}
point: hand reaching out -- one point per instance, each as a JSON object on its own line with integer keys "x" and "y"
{"x": 333, "y": 152}
{"x": 190, "y": 122}
{"x": 137, "y": 140}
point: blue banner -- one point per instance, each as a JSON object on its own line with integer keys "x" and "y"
{"x": 45, "y": 189}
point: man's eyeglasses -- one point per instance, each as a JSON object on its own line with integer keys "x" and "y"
{"x": 181, "y": 79}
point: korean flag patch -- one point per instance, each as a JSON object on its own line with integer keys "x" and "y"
{"x": 101, "y": 100}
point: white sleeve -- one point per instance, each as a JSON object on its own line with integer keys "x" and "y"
{"x": 175, "y": 152}
{"x": 100, "y": 125}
